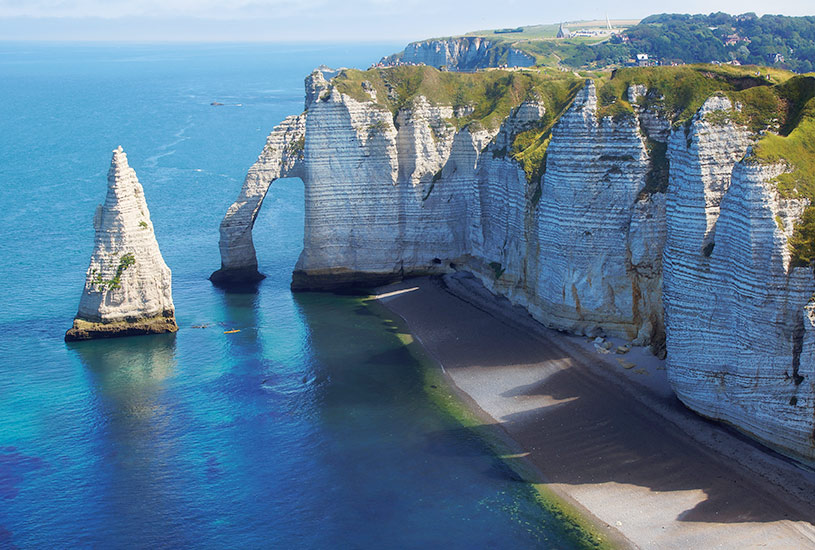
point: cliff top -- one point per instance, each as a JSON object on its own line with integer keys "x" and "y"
{"x": 485, "y": 98}
{"x": 680, "y": 91}
{"x": 777, "y": 106}
{"x": 786, "y": 42}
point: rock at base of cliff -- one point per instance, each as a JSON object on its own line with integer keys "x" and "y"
{"x": 227, "y": 278}
{"x": 90, "y": 330}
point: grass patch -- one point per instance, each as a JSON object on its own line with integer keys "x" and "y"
{"x": 794, "y": 146}
{"x": 679, "y": 92}
{"x": 101, "y": 284}
{"x": 491, "y": 95}
{"x": 296, "y": 148}
{"x": 497, "y": 269}
{"x": 529, "y": 147}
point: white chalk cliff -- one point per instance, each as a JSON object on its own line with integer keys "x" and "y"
{"x": 465, "y": 53}
{"x": 281, "y": 157}
{"x": 739, "y": 333}
{"x": 128, "y": 287}
{"x": 594, "y": 245}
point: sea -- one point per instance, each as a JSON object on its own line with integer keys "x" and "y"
{"x": 308, "y": 428}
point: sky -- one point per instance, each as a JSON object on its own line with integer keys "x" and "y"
{"x": 325, "y": 20}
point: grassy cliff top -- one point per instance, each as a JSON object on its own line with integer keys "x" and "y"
{"x": 680, "y": 91}
{"x": 488, "y": 96}
{"x": 794, "y": 145}
{"x": 778, "y": 106}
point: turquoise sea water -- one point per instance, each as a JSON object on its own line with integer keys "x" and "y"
{"x": 307, "y": 429}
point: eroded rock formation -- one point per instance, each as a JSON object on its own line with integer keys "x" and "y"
{"x": 128, "y": 287}
{"x": 281, "y": 157}
{"x": 627, "y": 212}
{"x": 738, "y": 313}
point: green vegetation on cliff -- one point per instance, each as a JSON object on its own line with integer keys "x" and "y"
{"x": 794, "y": 146}
{"x": 485, "y": 98}
{"x": 777, "y": 106}
{"x": 116, "y": 282}
{"x": 786, "y": 42}
{"x": 679, "y": 92}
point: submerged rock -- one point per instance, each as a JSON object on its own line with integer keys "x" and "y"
{"x": 128, "y": 287}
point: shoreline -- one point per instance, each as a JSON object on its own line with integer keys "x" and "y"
{"x": 604, "y": 431}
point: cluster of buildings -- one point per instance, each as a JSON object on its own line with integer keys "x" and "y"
{"x": 563, "y": 32}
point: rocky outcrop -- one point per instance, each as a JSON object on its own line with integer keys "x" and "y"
{"x": 128, "y": 287}
{"x": 388, "y": 196}
{"x": 739, "y": 315}
{"x": 584, "y": 255}
{"x": 466, "y": 53}
{"x": 281, "y": 157}
{"x": 668, "y": 236}
{"x": 376, "y": 207}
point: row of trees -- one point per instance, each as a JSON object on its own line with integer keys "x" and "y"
{"x": 722, "y": 37}
{"x": 746, "y": 38}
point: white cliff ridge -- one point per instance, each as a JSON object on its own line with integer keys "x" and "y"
{"x": 128, "y": 287}
{"x": 466, "y": 53}
{"x": 672, "y": 237}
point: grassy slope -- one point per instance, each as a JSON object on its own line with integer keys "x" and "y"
{"x": 680, "y": 91}
{"x": 794, "y": 145}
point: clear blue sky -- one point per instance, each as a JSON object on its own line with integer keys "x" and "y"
{"x": 324, "y": 20}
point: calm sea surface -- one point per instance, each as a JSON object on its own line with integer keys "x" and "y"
{"x": 307, "y": 429}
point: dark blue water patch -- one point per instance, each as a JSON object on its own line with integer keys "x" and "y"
{"x": 308, "y": 428}
{"x": 13, "y": 469}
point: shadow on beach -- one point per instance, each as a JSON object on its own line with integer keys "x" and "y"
{"x": 591, "y": 431}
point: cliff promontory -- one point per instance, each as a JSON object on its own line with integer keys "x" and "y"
{"x": 128, "y": 285}
{"x": 463, "y": 53}
{"x": 666, "y": 206}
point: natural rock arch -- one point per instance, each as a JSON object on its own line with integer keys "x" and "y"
{"x": 282, "y": 157}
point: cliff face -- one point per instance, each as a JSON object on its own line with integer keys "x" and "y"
{"x": 128, "y": 287}
{"x": 461, "y": 54}
{"x": 624, "y": 225}
{"x": 582, "y": 251}
{"x": 390, "y": 195}
{"x": 376, "y": 206}
{"x": 737, "y": 312}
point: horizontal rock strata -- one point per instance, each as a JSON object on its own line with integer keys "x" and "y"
{"x": 128, "y": 287}
{"x": 737, "y": 311}
{"x": 593, "y": 244}
{"x": 282, "y": 156}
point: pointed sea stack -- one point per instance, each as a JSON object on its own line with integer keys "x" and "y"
{"x": 128, "y": 287}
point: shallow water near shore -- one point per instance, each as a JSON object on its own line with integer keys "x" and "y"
{"x": 308, "y": 428}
